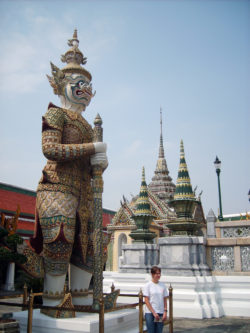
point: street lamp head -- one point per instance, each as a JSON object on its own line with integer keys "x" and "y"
{"x": 217, "y": 163}
{"x": 249, "y": 195}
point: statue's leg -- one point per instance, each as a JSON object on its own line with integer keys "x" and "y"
{"x": 79, "y": 285}
{"x": 57, "y": 213}
{"x": 56, "y": 256}
{"x": 81, "y": 260}
{"x": 56, "y": 261}
{"x": 55, "y": 283}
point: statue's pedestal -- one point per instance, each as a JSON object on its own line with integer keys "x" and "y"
{"x": 183, "y": 256}
{"x": 122, "y": 321}
{"x": 138, "y": 257}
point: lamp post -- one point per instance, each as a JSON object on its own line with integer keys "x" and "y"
{"x": 217, "y": 164}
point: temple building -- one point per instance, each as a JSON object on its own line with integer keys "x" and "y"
{"x": 161, "y": 190}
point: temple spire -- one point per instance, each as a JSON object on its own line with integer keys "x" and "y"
{"x": 143, "y": 205}
{"x": 162, "y": 184}
{"x": 183, "y": 186}
{"x": 161, "y": 149}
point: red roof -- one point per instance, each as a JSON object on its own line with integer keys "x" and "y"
{"x": 12, "y": 196}
{"x": 106, "y": 218}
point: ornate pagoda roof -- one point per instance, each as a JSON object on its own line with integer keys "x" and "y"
{"x": 145, "y": 202}
{"x": 161, "y": 184}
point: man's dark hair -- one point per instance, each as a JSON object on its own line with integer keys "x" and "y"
{"x": 155, "y": 269}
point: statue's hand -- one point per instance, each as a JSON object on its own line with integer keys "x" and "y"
{"x": 99, "y": 159}
{"x": 100, "y": 147}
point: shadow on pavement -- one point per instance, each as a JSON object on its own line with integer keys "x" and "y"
{"x": 213, "y": 325}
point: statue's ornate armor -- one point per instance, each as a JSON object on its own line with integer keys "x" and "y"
{"x": 64, "y": 204}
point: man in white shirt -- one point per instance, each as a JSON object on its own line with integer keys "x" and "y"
{"x": 155, "y": 297}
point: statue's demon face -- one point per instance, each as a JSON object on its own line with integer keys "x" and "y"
{"x": 78, "y": 90}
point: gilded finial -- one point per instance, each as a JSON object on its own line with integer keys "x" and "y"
{"x": 182, "y": 153}
{"x": 75, "y": 34}
{"x": 143, "y": 174}
{"x": 161, "y": 149}
{"x": 74, "y": 42}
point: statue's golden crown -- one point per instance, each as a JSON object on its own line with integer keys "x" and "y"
{"x": 74, "y": 59}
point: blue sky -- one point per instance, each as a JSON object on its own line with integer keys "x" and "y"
{"x": 189, "y": 57}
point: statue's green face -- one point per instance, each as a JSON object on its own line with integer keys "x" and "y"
{"x": 78, "y": 90}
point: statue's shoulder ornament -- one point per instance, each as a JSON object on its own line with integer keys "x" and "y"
{"x": 58, "y": 118}
{"x": 74, "y": 117}
{"x": 53, "y": 118}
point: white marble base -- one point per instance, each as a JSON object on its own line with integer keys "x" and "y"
{"x": 122, "y": 321}
{"x": 193, "y": 296}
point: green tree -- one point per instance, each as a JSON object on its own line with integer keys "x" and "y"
{"x": 8, "y": 247}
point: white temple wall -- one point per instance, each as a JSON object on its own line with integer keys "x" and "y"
{"x": 193, "y": 297}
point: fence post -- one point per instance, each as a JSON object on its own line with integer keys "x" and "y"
{"x": 30, "y": 312}
{"x": 101, "y": 315}
{"x": 170, "y": 289}
{"x": 140, "y": 311}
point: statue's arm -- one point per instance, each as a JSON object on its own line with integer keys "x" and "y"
{"x": 54, "y": 150}
{"x": 52, "y": 146}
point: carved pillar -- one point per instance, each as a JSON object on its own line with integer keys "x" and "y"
{"x": 211, "y": 219}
